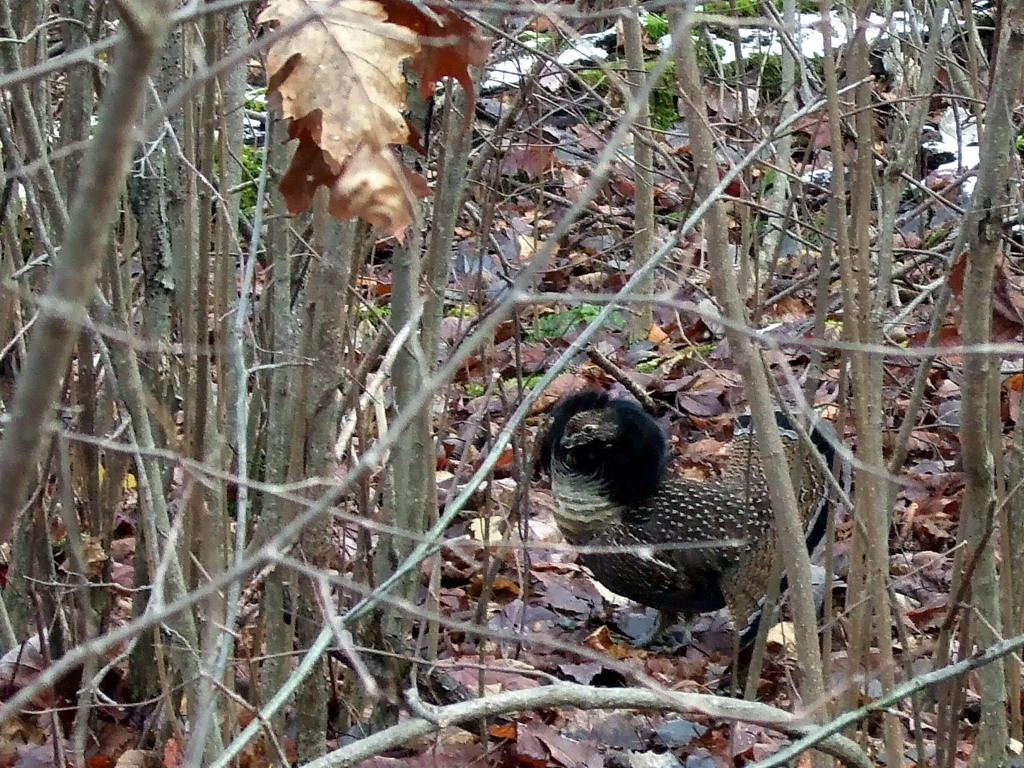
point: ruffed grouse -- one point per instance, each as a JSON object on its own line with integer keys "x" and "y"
{"x": 681, "y": 546}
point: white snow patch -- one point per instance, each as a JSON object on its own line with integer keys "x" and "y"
{"x": 808, "y": 35}
{"x": 511, "y": 72}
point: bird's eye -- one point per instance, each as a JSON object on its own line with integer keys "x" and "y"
{"x": 589, "y": 430}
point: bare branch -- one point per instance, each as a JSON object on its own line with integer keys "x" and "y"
{"x": 567, "y": 695}
{"x": 74, "y": 276}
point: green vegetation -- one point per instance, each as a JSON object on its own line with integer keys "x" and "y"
{"x": 535, "y": 39}
{"x": 768, "y": 67}
{"x": 650, "y": 365}
{"x": 252, "y": 166}
{"x": 373, "y": 314}
{"x": 557, "y": 324}
{"x": 937, "y": 235}
{"x": 768, "y": 179}
{"x": 656, "y": 24}
{"x": 595, "y": 79}
{"x": 752, "y": 8}
{"x": 663, "y": 99}
{"x": 510, "y": 386}
{"x": 738, "y": 8}
{"x": 666, "y": 364}
{"x": 703, "y": 350}
{"x": 462, "y": 310}
{"x": 710, "y": 50}
{"x": 257, "y": 100}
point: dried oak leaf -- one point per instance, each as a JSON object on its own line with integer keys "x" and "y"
{"x": 372, "y": 184}
{"x": 310, "y": 166}
{"x": 377, "y": 188}
{"x": 338, "y": 80}
{"x": 345, "y": 63}
{"x": 449, "y": 44}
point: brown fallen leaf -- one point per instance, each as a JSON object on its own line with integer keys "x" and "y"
{"x": 601, "y": 640}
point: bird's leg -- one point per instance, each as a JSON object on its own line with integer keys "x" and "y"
{"x": 665, "y": 620}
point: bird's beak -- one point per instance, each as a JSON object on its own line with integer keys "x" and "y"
{"x": 570, "y": 441}
{"x": 575, "y": 441}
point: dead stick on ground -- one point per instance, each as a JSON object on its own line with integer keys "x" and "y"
{"x": 606, "y": 365}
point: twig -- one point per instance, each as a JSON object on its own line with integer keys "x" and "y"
{"x": 601, "y": 360}
{"x": 78, "y": 263}
{"x": 921, "y": 682}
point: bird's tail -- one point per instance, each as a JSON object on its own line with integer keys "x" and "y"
{"x": 814, "y": 494}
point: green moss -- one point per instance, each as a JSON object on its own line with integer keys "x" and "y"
{"x": 595, "y": 79}
{"x": 373, "y": 314}
{"x": 650, "y": 365}
{"x": 752, "y": 8}
{"x": 656, "y": 24}
{"x": 28, "y": 245}
{"x": 462, "y": 310}
{"x": 737, "y": 8}
{"x": 936, "y": 236}
{"x": 21, "y": 231}
{"x": 768, "y": 179}
{"x": 509, "y": 386}
{"x": 663, "y": 97}
{"x": 252, "y": 166}
{"x": 257, "y": 100}
{"x": 664, "y": 112}
{"x": 767, "y": 67}
{"x": 535, "y": 39}
{"x": 556, "y": 324}
{"x": 710, "y": 50}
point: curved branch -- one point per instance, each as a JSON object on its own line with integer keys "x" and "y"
{"x": 574, "y": 695}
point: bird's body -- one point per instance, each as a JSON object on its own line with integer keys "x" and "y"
{"x": 669, "y": 543}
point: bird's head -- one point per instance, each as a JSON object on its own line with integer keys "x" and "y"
{"x": 615, "y": 442}
{"x": 590, "y": 431}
